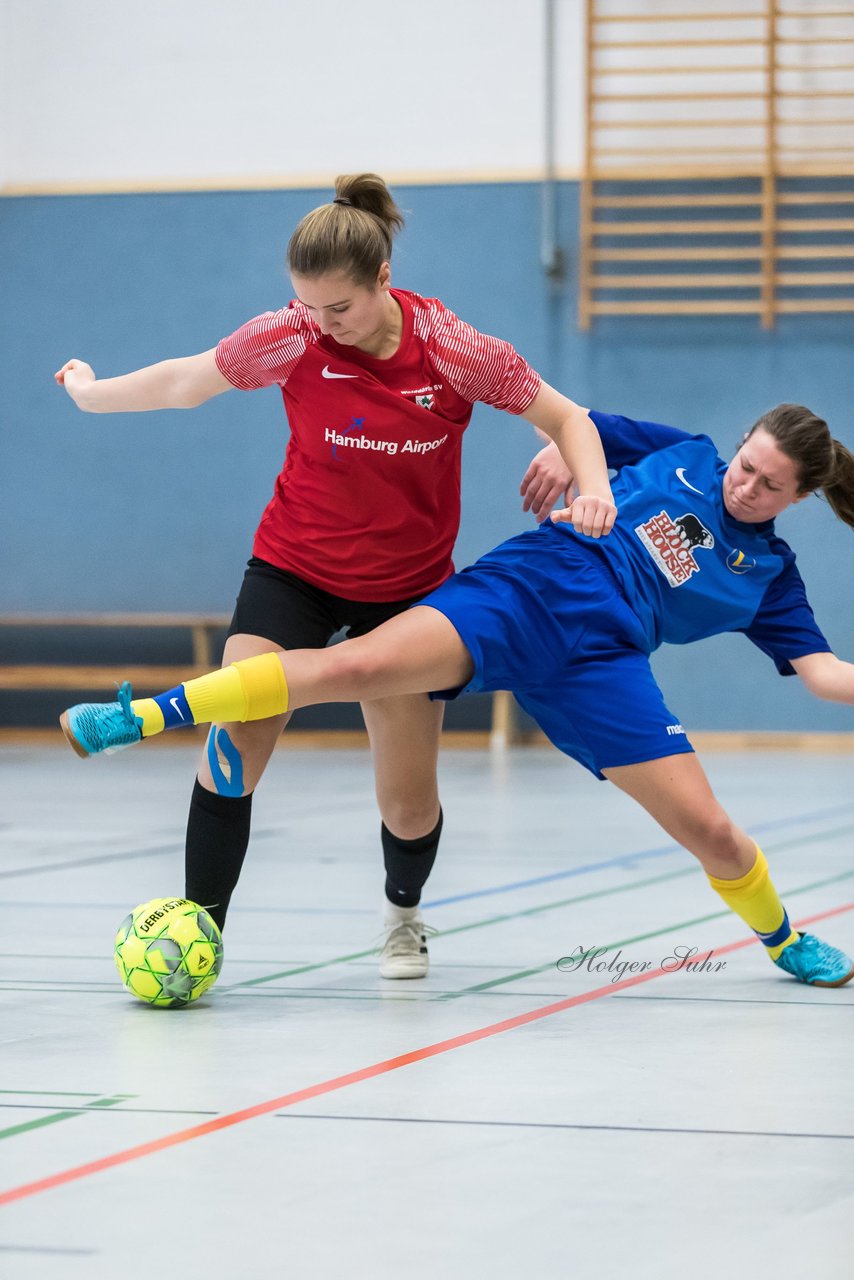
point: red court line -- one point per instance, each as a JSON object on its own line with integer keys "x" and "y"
{"x": 368, "y": 1073}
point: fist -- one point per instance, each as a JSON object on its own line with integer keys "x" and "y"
{"x": 73, "y": 373}
{"x": 589, "y": 515}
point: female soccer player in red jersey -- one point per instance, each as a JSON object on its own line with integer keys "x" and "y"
{"x": 378, "y": 386}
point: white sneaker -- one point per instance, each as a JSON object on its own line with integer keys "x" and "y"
{"x": 404, "y": 951}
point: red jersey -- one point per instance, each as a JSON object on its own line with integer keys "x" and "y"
{"x": 367, "y": 505}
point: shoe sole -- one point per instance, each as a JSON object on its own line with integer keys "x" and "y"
{"x": 76, "y": 746}
{"x": 840, "y": 982}
{"x": 401, "y": 974}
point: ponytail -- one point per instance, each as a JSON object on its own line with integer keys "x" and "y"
{"x": 352, "y": 234}
{"x": 839, "y": 489}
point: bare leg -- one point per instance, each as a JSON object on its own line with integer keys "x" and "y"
{"x": 416, "y": 652}
{"x": 404, "y": 733}
{"x": 676, "y": 792}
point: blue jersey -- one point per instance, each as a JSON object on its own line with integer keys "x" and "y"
{"x": 686, "y": 568}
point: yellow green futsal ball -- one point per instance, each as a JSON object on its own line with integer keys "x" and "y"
{"x": 168, "y": 952}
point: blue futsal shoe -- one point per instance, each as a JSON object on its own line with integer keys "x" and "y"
{"x": 816, "y": 962}
{"x": 91, "y": 728}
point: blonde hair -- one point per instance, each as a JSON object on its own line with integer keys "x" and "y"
{"x": 353, "y": 233}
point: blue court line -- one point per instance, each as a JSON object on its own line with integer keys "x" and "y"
{"x": 626, "y": 859}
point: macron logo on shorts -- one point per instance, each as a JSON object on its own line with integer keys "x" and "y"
{"x": 673, "y": 730}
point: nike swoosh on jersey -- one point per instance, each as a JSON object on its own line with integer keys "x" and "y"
{"x": 680, "y": 475}
{"x": 173, "y": 702}
{"x": 327, "y": 373}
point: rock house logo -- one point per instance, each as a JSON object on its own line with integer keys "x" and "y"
{"x": 671, "y": 543}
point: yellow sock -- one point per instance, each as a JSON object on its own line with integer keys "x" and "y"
{"x": 754, "y": 898}
{"x": 252, "y": 689}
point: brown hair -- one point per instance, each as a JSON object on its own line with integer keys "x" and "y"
{"x": 353, "y": 234}
{"x": 823, "y": 463}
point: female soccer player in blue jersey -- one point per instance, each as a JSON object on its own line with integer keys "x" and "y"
{"x": 568, "y": 623}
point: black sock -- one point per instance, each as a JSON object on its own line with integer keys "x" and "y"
{"x": 408, "y": 863}
{"x": 217, "y": 838}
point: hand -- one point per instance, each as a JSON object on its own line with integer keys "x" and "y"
{"x": 588, "y": 515}
{"x": 547, "y": 479}
{"x": 75, "y": 376}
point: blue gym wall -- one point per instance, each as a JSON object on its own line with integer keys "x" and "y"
{"x": 157, "y": 511}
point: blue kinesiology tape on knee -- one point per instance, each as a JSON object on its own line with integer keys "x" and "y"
{"x": 221, "y": 748}
{"x": 175, "y": 708}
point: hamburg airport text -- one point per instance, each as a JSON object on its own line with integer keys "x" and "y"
{"x": 335, "y": 438}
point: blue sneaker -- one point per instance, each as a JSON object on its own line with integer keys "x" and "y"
{"x": 94, "y": 727}
{"x": 816, "y": 962}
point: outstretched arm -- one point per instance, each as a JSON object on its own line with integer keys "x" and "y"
{"x": 569, "y": 426}
{"x": 172, "y": 384}
{"x": 826, "y": 676}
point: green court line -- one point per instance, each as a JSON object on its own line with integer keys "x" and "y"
{"x": 132, "y": 1111}
{"x": 74, "y": 989}
{"x": 41, "y": 955}
{"x": 38, "y": 1124}
{"x": 640, "y": 937}
{"x": 78, "y": 989}
{"x": 51, "y": 1093}
{"x": 693, "y": 869}
{"x": 29, "y": 1125}
{"x": 36, "y": 984}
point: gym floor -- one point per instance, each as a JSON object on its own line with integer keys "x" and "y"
{"x": 505, "y": 1116}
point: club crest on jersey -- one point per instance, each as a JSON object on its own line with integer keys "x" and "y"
{"x": 738, "y": 562}
{"x": 423, "y": 396}
{"x": 672, "y": 542}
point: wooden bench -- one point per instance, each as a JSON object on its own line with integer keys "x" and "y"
{"x": 27, "y": 677}
{"x": 32, "y": 676}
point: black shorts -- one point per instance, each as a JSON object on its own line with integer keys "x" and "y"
{"x": 294, "y": 614}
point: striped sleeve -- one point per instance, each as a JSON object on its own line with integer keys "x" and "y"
{"x": 477, "y": 366}
{"x": 264, "y": 351}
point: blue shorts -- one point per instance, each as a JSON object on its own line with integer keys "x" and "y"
{"x": 542, "y": 616}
